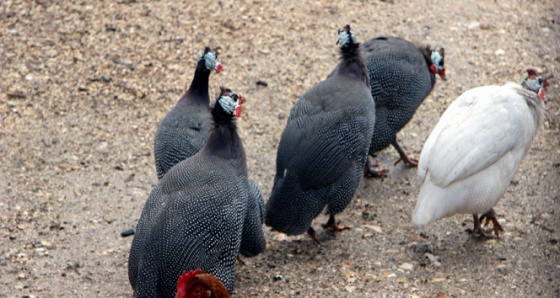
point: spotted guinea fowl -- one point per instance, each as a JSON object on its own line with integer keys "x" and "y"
{"x": 401, "y": 75}
{"x": 184, "y": 130}
{"x": 475, "y": 149}
{"x": 324, "y": 146}
{"x": 199, "y": 213}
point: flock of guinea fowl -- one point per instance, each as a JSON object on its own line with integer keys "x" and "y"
{"x": 204, "y": 211}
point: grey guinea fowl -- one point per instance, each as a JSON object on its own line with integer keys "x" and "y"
{"x": 401, "y": 75}
{"x": 184, "y": 130}
{"x": 324, "y": 146}
{"x": 199, "y": 213}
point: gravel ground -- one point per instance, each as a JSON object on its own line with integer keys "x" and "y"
{"x": 84, "y": 85}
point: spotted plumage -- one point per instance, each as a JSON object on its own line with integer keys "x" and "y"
{"x": 184, "y": 130}
{"x": 400, "y": 79}
{"x": 401, "y": 75}
{"x": 199, "y": 213}
{"x": 324, "y": 146}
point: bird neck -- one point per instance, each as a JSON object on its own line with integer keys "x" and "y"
{"x": 198, "y": 90}
{"x": 352, "y": 63}
{"x": 427, "y": 53}
{"x": 224, "y": 141}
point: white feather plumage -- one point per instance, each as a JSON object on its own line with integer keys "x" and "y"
{"x": 474, "y": 151}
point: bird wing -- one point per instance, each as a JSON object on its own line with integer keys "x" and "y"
{"x": 474, "y": 132}
{"x": 253, "y": 241}
{"x": 325, "y": 132}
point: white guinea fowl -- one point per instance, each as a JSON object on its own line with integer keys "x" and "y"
{"x": 475, "y": 149}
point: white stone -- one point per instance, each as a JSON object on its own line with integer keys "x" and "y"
{"x": 474, "y": 25}
{"x": 407, "y": 266}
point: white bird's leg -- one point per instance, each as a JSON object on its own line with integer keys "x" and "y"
{"x": 411, "y": 162}
{"x": 490, "y": 216}
{"x": 487, "y": 234}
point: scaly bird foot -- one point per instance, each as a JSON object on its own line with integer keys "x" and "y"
{"x": 490, "y": 216}
{"x": 331, "y": 224}
{"x": 487, "y": 234}
{"x": 312, "y": 234}
{"x": 409, "y": 162}
{"x": 371, "y": 172}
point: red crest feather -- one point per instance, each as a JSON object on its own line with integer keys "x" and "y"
{"x": 184, "y": 279}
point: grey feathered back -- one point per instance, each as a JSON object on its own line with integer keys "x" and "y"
{"x": 184, "y": 130}
{"x": 323, "y": 149}
{"x": 201, "y": 214}
{"x": 193, "y": 219}
{"x": 400, "y": 81}
{"x": 181, "y": 134}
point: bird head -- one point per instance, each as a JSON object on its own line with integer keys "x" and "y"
{"x": 536, "y": 83}
{"x": 196, "y": 284}
{"x": 345, "y": 37}
{"x": 211, "y": 60}
{"x": 437, "y": 66}
{"x": 230, "y": 102}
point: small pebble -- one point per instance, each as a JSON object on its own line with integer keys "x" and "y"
{"x": 407, "y": 266}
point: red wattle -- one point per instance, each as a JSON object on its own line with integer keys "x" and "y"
{"x": 238, "y": 112}
{"x": 433, "y": 69}
{"x": 541, "y": 94}
{"x": 441, "y": 74}
{"x": 219, "y": 67}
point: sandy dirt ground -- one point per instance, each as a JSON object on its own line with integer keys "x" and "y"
{"x": 84, "y": 85}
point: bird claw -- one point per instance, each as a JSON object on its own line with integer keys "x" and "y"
{"x": 370, "y": 171}
{"x": 409, "y": 162}
{"x": 312, "y": 235}
{"x": 335, "y": 227}
{"x": 487, "y": 217}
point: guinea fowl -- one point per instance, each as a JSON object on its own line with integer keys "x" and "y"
{"x": 196, "y": 284}
{"x": 401, "y": 75}
{"x": 184, "y": 130}
{"x": 475, "y": 149}
{"x": 324, "y": 146}
{"x": 200, "y": 213}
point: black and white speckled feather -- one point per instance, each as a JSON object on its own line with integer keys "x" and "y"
{"x": 400, "y": 81}
{"x": 323, "y": 148}
{"x": 184, "y": 130}
{"x": 253, "y": 243}
{"x": 197, "y": 216}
